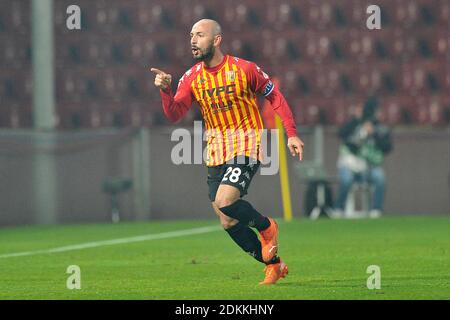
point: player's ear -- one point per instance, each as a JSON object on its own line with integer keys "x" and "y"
{"x": 217, "y": 40}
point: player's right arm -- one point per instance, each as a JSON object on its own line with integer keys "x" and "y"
{"x": 175, "y": 107}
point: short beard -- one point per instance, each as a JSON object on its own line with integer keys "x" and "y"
{"x": 209, "y": 53}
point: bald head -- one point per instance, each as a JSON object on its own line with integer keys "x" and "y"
{"x": 210, "y": 25}
{"x": 206, "y": 37}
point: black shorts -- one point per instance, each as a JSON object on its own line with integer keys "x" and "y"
{"x": 237, "y": 172}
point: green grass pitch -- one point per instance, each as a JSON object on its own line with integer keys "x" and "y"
{"x": 327, "y": 259}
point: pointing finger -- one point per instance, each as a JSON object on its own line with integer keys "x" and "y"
{"x": 300, "y": 154}
{"x": 299, "y": 150}
{"x": 157, "y": 71}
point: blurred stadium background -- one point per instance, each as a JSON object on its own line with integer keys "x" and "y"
{"x": 105, "y": 117}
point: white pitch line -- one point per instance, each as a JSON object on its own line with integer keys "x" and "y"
{"x": 87, "y": 245}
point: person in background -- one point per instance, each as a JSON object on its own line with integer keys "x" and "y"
{"x": 365, "y": 143}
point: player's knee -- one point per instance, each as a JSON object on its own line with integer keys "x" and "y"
{"x": 227, "y": 222}
{"x": 222, "y": 202}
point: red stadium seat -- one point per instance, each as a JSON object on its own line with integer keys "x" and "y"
{"x": 71, "y": 116}
{"x": 279, "y": 50}
{"x": 239, "y": 15}
{"x": 283, "y": 16}
{"x": 445, "y": 104}
{"x": 445, "y": 74}
{"x": 320, "y": 15}
{"x": 318, "y": 110}
{"x": 415, "y": 79}
{"x": 420, "y": 110}
{"x": 370, "y": 79}
{"x": 69, "y": 86}
{"x": 404, "y": 45}
{"x": 345, "y": 108}
{"x": 15, "y": 51}
{"x": 16, "y": 115}
{"x": 17, "y": 17}
{"x": 15, "y": 86}
{"x": 436, "y": 111}
{"x": 318, "y": 47}
{"x": 158, "y": 17}
{"x": 428, "y": 110}
{"x": 440, "y": 44}
{"x": 306, "y": 112}
{"x": 358, "y": 14}
{"x": 396, "y": 110}
{"x": 443, "y": 13}
{"x": 406, "y": 15}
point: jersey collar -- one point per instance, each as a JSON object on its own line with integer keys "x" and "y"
{"x": 218, "y": 67}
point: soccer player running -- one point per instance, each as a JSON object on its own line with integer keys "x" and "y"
{"x": 225, "y": 87}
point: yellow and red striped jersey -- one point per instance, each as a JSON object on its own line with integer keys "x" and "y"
{"x": 226, "y": 95}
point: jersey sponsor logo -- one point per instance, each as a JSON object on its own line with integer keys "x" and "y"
{"x": 228, "y": 89}
{"x": 220, "y": 106}
{"x": 268, "y": 88}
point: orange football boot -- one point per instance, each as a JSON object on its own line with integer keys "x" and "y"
{"x": 269, "y": 241}
{"x": 275, "y": 272}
